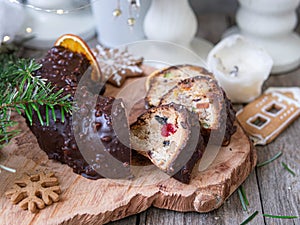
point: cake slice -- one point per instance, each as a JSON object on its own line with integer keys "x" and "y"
{"x": 161, "y": 81}
{"x": 169, "y": 135}
{"x": 203, "y": 96}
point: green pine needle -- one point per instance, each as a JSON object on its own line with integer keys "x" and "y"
{"x": 22, "y": 91}
{"x": 62, "y": 115}
{"x": 269, "y": 160}
{"x": 280, "y": 217}
{"x": 242, "y": 199}
{"x": 286, "y": 167}
{"x": 244, "y": 195}
{"x": 47, "y": 115}
{"x": 53, "y": 113}
{"x": 251, "y": 217}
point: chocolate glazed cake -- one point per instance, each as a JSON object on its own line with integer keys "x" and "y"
{"x": 64, "y": 68}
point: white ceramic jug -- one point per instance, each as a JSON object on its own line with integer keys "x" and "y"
{"x": 172, "y": 21}
{"x": 270, "y": 24}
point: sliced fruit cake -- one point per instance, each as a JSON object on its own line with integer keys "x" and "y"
{"x": 203, "y": 96}
{"x": 169, "y": 135}
{"x": 161, "y": 81}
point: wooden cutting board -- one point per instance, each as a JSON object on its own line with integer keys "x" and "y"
{"x": 86, "y": 201}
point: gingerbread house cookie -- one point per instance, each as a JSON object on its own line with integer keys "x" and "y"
{"x": 267, "y": 116}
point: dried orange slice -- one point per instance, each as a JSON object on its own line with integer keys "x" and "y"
{"x": 76, "y": 44}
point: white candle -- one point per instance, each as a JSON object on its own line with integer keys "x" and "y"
{"x": 240, "y": 67}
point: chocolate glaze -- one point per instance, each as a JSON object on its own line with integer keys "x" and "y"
{"x": 231, "y": 117}
{"x": 185, "y": 172}
{"x": 103, "y": 142}
{"x": 227, "y": 117}
{"x": 64, "y": 69}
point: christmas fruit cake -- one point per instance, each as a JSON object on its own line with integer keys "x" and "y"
{"x": 160, "y": 82}
{"x": 63, "y": 67}
{"x": 203, "y": 96}
{"x": 169, "y": 135}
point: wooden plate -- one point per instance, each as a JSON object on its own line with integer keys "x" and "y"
{"x": 86, "y": 201}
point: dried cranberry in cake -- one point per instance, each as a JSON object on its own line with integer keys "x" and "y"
{"x": 169, "y": 135}
{"x": 203, "y": 96}
{"x": 168, "y": 129}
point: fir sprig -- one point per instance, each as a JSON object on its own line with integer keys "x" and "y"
{"x": 23, "y": 92}
{"x": 26, "y": 93}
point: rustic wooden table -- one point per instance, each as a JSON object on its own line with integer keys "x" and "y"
{"x": 270, "y": 189}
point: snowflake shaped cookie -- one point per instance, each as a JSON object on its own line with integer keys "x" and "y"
{"x": 34, "y": 192}
{"x": 116, "y": 64}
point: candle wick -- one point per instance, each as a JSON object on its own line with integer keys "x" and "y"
{"x": 234, "y": 72}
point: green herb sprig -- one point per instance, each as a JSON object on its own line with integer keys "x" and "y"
{"x": 286, "y": 167}
{"x": 23, "y": 92}
{"x": 243, "y": 198}
{"x": 280, "y": 217}
{"x": 251, "y": 217}
{"x": 269, "y": 160}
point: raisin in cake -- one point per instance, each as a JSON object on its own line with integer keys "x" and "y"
{"x": 169, "y": 135}
{"x": 203, "y": 96}
{"x": 161, "y": 81}
{"x": 64, "y": 68}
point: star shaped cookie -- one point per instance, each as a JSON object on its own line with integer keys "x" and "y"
{"x": 117, "y": 65}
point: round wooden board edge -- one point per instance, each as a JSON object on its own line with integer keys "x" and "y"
{"x": 201, "y": 201}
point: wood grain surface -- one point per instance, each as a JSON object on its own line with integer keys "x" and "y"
{"x": 86, "y": 201}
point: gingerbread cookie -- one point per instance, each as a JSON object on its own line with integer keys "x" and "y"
{"x": 34, "y": 192}
{"x": 116, "y": 64}
{"x": 268, "y": 115}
